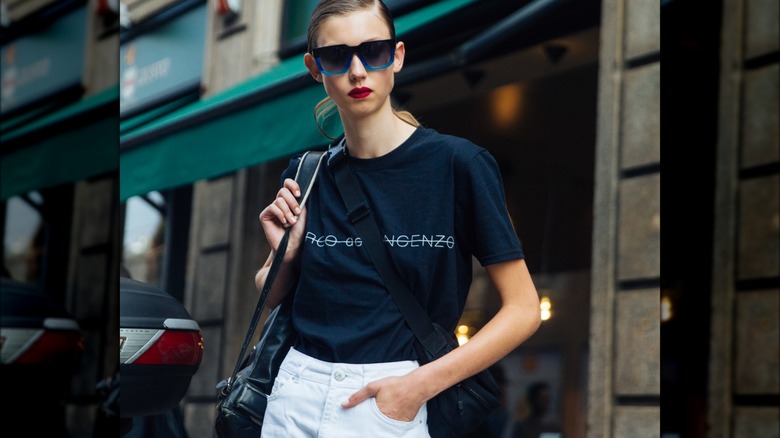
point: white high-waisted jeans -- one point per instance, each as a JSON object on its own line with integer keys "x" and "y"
{"x": 306, "y": 401}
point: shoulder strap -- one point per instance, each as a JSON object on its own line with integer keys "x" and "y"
{"x": 305, "y": 176}
{"x": 359, "y": 213}
{"x": 307, "y": 173}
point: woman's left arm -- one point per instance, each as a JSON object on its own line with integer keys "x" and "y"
{"x": 517, "y": 319}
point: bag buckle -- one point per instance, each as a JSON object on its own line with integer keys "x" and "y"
{"x": 336, "y": 154}
{"x": 358, "y": 213}
{"x": 223, "y": 387}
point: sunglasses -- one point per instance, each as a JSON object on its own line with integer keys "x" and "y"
{"x": 335, "y": 60}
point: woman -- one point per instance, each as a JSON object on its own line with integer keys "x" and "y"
{"x": 438, "y": 200}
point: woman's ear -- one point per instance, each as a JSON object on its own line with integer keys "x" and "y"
{"x": 400, "y": 51}
{"x": 311, "y": 64}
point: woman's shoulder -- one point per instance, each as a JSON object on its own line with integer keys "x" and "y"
{"x": 292, "y": 167}
{"x": 450, "y": 144}
{"x": 465, "y": 156}
{"x": 295, "y": 160}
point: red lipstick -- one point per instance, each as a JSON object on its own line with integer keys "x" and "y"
{"x": 360, "y": 93}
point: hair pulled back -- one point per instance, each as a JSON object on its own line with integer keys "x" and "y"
{"x": 338, "y": 8}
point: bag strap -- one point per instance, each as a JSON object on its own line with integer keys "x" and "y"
{"x": 305, "y": 176}
{"x": 359, "y": 213}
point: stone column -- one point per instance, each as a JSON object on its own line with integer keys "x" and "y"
{"x": 227, "y": 247}
{"x": 92, "y": 292}
{"x": 744, "y": 382}
{"x": 624, "y": 367}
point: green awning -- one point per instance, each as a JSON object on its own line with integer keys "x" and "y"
{"x": 265, "y": 118}
{"x": 68, "y": 145}
{"x": 138, "y": 121}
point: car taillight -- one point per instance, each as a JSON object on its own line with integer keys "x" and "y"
{"x": 59, "y": 341}
{"x": 181, "y": 343}
{"x": 173, "y": 347}
{"x": 54, "y": 346}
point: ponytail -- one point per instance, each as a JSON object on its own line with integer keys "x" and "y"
{"x": 322, "y": 111}
{"x": 407, "y": 117}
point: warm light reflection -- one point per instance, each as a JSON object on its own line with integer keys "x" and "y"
{"x": 546, "y": 307}
{"x": 462, "y": 333}
{"x": 506, "y": 105}
{"x": 666, "y": 308}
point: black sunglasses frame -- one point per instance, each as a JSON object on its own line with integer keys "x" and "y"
{"x": 352, "y": 50}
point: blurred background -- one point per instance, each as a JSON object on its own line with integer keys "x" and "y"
{"x": 59, "y": 209}
{"x": 151, "y": 133}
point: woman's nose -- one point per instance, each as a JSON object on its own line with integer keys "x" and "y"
{"x": 356, "y": 69}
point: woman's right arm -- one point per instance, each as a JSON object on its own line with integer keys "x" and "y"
{"x": 284, "y": 212}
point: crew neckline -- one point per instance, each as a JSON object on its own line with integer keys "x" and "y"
{"x": 389, "y": 158}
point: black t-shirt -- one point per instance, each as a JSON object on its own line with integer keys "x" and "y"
{"x": 438, "y": 200}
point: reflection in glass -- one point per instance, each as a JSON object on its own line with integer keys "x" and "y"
{"x": 144, "y": 237}
{"x": 23, "y": 239}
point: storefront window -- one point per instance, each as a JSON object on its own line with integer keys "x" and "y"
{"x": 144, "y": 237}
{"x": 23, "y": 239}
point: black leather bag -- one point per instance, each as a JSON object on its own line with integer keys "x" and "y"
{"x": 243, "y": 397}
{"x": 241, "y": 406}
{"x": 462, "y": 407}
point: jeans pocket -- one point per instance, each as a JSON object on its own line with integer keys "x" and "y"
{"x": 282, "y": 380}
{"x": 419, "y": 418}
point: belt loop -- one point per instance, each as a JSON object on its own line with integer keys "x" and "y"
{"x": 364, "y": 377}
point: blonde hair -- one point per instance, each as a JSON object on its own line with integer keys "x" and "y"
{"x": 337, "y": 8}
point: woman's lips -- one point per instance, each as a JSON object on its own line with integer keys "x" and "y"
{"x": 360, "y": 93}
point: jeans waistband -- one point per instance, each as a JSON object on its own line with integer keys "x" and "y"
{"x": 342, "y": 374}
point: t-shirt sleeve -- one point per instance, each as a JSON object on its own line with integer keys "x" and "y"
{"x": 489, "y": 229}
{"x": 292, "y": 168}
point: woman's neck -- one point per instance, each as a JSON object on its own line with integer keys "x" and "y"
{"x": 376, "y": 135}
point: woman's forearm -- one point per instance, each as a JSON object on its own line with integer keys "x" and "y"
{"x": 517, "y": 319}
{"x": 505, "y": 332}
{"x": 283, "y": 283}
